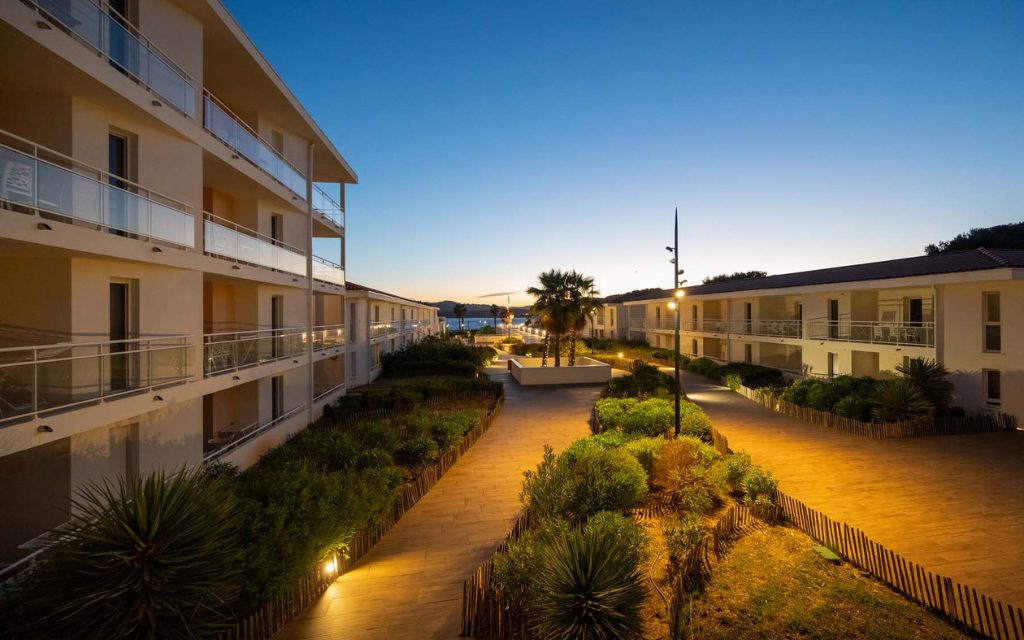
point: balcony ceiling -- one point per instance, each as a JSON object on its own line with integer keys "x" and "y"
{"x": 242, "y": 76}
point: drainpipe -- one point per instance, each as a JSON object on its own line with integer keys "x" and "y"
{"x": 309, "y": 278}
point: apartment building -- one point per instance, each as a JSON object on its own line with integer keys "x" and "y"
{"x": 172, "y": 252}
{"x": 963, "y": 309}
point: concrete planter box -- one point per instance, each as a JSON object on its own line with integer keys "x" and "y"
{"x": 528, "y": 372}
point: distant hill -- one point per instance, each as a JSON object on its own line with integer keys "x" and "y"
{"x": 1003, "y": 236}
{"x": 446, "y": 308}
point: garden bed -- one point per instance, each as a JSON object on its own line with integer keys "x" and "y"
{"x": 529, "y": 372}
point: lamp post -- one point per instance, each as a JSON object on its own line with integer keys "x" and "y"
{"x": 676, "y": 284}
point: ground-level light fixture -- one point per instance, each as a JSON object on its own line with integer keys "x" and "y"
{"x": 329, "y": 567}
{"x": 621, "y": 355}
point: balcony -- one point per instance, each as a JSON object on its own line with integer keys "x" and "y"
{"x": 327, "y": 271}
{"x": 224, "y": 125}
{"x": 107, "y": 32}
{"x": 230, "y": 351}
{"x": 328, "y": 208}
{"x": 767, "y": 328}
{"x": 669, "y": 324}
{"x": 41, "y": 379}
{"x": 328, "y": 336}
{"x": 913, "y": 334}
{"x": 381, "y": 329}
{"x": 228, "y": 440}
{"x": 39, "y": 179}
{"x": 225, "y": 239}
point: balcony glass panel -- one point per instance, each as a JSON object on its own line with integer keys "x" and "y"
{"x": 109, "y": 35}
{"x": 35, "y": 183}
{"x": 328, "y": 271}
{"x": 239, "y": 137}
{"x": 244, "y": 245}
{"x": 234, "y": 350}
{"x": 327, "y": 207}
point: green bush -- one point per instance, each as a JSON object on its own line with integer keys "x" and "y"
{"x": 649, "y": 418}
{"x": 543, "y": 489}
{"x": 418, "y": 424}
{"x": 514, "y": 575}
{"x": 645, "y": 450}
{"x": 735, "y": 468}
{"x": 759, "y": 485}
{"x": 374, "y": 459}
{"x": 754, "y": 376}
{"x": 606, "y": 440}
{"x": 328, "y": 450}
{"x": 436, "y": 355}
{"x": 151, "y": 557}
{"x": 733, "y": 381}
{"x": 854, "y": 407}
{"x": 610, "y": 411}
{"x": 588, "y": 588}
{"x": 933, "y": 379}
{"x": 683, "y": 533}
{"x": 416, "y": 453}
{"x": 604, "y": 480}
{"x": 694, "y": 422}
{"x": 900, "y": 399}
{"x": 377, "y": 435}
{"x": 449, "y": 430}
{"x": 693, "y": 470}
{"x": 645, "y": 380}
{"x": 700, "y": 365}
{"x": 632, "y": 538}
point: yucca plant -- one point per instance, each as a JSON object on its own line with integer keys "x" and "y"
{"x": 898, "y": 400}
{"x": 148, "y": 558}
{"x": 932, "y": 377}
{"x": 590, "y": 588}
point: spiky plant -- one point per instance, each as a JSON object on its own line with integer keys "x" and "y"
{"x": 148, "y": 558}
{"x": 932, "y": 377}
{"x": 898, "y": 400}
{"x": 590, "y": 589}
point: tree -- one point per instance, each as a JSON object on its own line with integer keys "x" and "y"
{"x": 1003, "y": 236}
{"x": 459, "y": 311}
{"x": 553, "y": 307}
{"x": 585, "y": 303}
{"x": 495, "y": 310}
{"x": 738, "y": 275}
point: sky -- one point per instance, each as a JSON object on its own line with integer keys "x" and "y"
{"x": 494, "y": 139}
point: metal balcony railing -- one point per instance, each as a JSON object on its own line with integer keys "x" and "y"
{"x": 39, "y": 379}
{"x": 234, "y": 350}
{"x": 227, "y": 239}
{"x": 919, "y": 334}
{"x": 111, "y": 35}
{"x": 229, "y": 439}
{"x": 378, "y": 329}
{"x": 320, "y": 392}
{"x": 328, "y": 271}
{"x": 669, "y": 324}
{"x": 328, "y": 336}
{"x": 767, "y": 327}
{"x": 232, "y": 131}
{"x": 50, "y": 182}
{"x": 327, "y": 207}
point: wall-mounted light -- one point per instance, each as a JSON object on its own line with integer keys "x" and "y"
{"x": 295, "y": 362}
{"x": 157, "y": 250}
{"x": 235, "y": 266}
{"x": 157, "y": 103}
{"x": 234, "y": 156}
{"x": 235, "y": 378}
{"x": 44, "y": 429}
{"x": 43, "y": 24}
{"x": 158, "y": 398}
{"x": 42, "y": 226}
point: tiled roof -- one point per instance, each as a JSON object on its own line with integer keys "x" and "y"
{"x": 953, "y": 262}
{"x": 352, "y": 286}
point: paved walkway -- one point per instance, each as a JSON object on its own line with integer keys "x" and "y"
{"x": 409, "y": 585}
{"x": 954, "y": 504}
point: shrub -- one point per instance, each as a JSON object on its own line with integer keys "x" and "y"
{"x": 694, "y": 422}
{"x": 754, "y": 376}
{"x": 418, "y": 424}
{"x": 610, "y": 411}
{"x": 605, "y": 440}
{"x": 374, "y": 459}
{"x": 759, "y": 486}
{"x": 683, "y": 533}
{"x": 543, "y": 490}
{"x": 645, "y": 450}
{"x": 692, "y": 469}
{"x": 854, "y": 407}
{"x": 605, "y": 480}
{"x": 330, "y": 451}
{"x": 436, "y": 355}
{"x": 700, "y": 365}
{"x": 632, "y": 538}
{"x": 735, "y": 468}
{"x": 448, "y": 430}
{"x": 733, "y": 381}
{"x": 151, "y": 557}
{"x": 933, "y": 379}
{"x": 900, "y": 399}
{"x": 649, "y": 418}
{"x": 514, "y": 575}
{"x": 588, "y": 588}
{"x": 416, "y": 453}
{"x": 377, "y": 435}
{"x": 643, "y": 381}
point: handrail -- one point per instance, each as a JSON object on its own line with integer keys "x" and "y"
{"x": 234, "y": 226}
{"x": 65, "y": 345}
{"x": 218, "y": 453}
{"x": 323, "y": 394}
{"x": 873, "y": 332}
{"x": 328, "y": 208}
{"x": 322, "y": 338}
{"x": 294, "y": 330}
{"x": 325, "y": 261}
{"x": 249, "y": 130}
{"x": 332, "y": 267}
{"x": 100, "y": 41}
{"x": 105, "y": 176}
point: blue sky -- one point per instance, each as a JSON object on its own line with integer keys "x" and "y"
{"x": 494, "y": 140}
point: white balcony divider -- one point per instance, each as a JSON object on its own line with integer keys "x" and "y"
{"x": 233, "y": 241}
{"x": 28, "y": 180}
{"x": 326, "y": 205}
{"x": 232, "y": 131}
{"x": 233, "y": 350}
{"x": 919, "y": 334}
{"x": 328, "y": 271}
{"x": 110, "y": 34}
{"x": 327, "y": 336}
{"x": 39, "y": 379}
{"x": 223, "y": 445}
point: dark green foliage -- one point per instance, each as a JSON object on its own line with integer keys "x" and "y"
{"x": 932, "y": 378}
{"x": 900, "y": 399}
{"x": 735, "y": 468}
{"x": 644, "y": 381}
{"x": 683, "y": 533}
{"x": 435, "y": 355}
{"x": 611, "y": 411}
{"x": 448, "y": 430}
{"x": 373, "y": 459}
{"x": 416, "y": 453}
{"x": 693, "y": 421}
{"x": 738, "y": 275}
{"x": 649, "y": 418}
{"x": 705, "y": 367}
{"x": 632, "y": 538}
{"x": 153, "y": 557}
{"x": 1003, "y": 236}
{"x": 589, "y": 588}
{"x": 377, "y": 435}
{"x": 753, "y": 376}
{"x": 645, "y": 450}
{"x": 825, "y": 395}
{"x": 759, "y": 486}
{"x": 330, "y": 451}
{"x": 588, "y": 480}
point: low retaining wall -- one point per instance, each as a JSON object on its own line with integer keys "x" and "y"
{"x": 586, "y": 371}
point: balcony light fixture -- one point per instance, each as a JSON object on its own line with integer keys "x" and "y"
{"x": 43, "y": 24}
{"x": 157, "y": 103}
{"x": 43, "y": 428}
{"x": 295, "y": 362}
{"x": 295, "y": 279}
{"x": 235, "y": 266}
{"x": 234, "y": 156}
{"x": 158, "y": 398}
{"x": 235, "y": 378}
{"x": 157, "y": 250}
{"x": 42, "y": 226}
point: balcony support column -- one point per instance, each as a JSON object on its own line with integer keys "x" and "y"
{"x": 309, "y": 278}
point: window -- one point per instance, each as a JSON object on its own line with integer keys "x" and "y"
{"x": 277, "y": 141}
{"x": 376, "y": 313}
{"x": 833, "y": 365}
{"x": 376, "y": 355}
{"x": 613, "y": 316}
{"x": 277, "y": 397}
{"x": 991, "y": 380}
{"x": 993, "y": 330}
{"x": 748, "y": 353}
{"x": 693, "y": 346}
{"x": 693, "y": 312}
{"x": 657, "y": 313}
{"x": 352, "y": 325}
{"x": 277, "y": 228}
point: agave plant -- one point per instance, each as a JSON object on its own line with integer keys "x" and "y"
{"x": 932, "y": 377}
{"x": 590, "y": 589}
{"x": 148, "y": 558}
{"x": 898, "y": 400}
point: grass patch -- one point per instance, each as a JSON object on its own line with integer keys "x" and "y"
{"x": 772, "y": 585}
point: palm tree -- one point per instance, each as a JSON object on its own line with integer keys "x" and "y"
{"x": 459, "y": 311}
{"x": 584, "y": 304}
{"x": 932, "y": 377}
{"x": 553, "y": 307}
{"x": 495, "y": 310}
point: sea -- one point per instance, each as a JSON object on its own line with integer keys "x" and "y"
{"x": 452, "y": 324}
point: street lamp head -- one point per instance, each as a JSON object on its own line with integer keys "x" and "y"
{"x": 670, "y": 249}
{"x": 679, "y": 293}
{"x": 671, "y": 305}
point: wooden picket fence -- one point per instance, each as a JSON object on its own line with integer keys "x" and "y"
{"x": 267, "y": 620}
{"x": 483, "y": 613}
{"x": 883, "y": 430}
